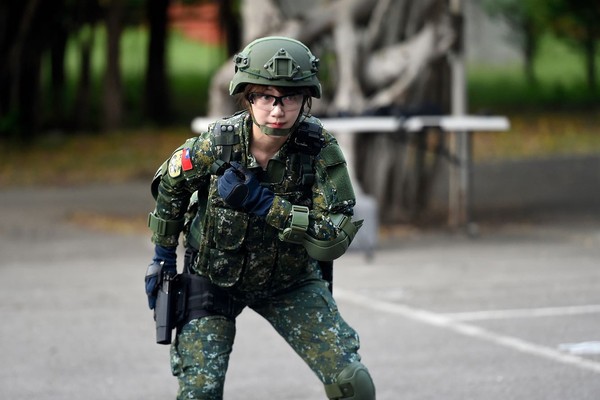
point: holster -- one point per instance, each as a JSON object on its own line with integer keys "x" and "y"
{"x": 164, "y": 310}
{"x": 184, "y": 297}
{"x": 198, "y": 297}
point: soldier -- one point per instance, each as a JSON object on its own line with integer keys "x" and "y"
{"x": 264, "y": 200}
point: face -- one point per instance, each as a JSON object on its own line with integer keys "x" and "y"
{"x": 274, "y": 108}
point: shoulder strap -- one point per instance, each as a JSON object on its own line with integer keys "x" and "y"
{"x": 306, "y": 143}
{"x": 225, "y": 137}
{"x": 308, "y": 139}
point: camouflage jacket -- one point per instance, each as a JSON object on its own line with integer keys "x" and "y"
{"x": 240, "y": 250}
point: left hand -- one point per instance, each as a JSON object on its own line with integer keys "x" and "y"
{"x": 164, "y": 260}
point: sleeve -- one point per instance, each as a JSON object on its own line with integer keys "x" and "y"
{"x": 327, "y": 228}
{"x": 187, "y": 169}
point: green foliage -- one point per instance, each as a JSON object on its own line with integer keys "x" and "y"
{"x": 561, "y": 82}
{"x": 574, "y": 19}
{"x": 190, "y": 68}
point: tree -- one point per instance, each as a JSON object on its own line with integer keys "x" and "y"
{"x": 377, "y": 57}
{"x": 576, "y": 20}
{"x": 33, "y": 29}
{"x": 520, "y": 15}
{"x": 86, "y": 15}
{"x": 27, "y": 30}
{"x": 113, "y": 96}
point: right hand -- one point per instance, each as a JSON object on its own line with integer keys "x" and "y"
{"x": 231, "y": 186}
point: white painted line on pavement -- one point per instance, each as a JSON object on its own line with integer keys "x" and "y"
{"x": 462, "y": 328}
{"x": 524, "y": 313}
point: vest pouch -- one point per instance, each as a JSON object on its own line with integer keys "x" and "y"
{"x": 226, "y": 259}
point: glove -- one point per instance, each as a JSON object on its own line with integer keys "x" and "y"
{"x": 241, "y": 189}
{"x": 164, "y": 260}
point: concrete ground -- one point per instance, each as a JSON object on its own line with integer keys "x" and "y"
{"x": 511, "y": 314}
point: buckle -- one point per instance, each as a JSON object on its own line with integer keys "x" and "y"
{"x": 298, "y": 226}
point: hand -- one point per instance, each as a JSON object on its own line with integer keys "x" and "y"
{"x": 232, "y": 186}
{"x": 164, "y": 261}
{"x": 241, "y": 189}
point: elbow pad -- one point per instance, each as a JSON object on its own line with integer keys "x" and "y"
{"x": 329, "y": 250}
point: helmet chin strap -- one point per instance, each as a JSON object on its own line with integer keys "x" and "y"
{"x": 267, "y": 130}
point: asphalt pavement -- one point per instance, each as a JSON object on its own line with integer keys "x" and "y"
{"x": 513, "y": 313}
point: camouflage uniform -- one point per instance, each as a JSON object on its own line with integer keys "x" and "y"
{"x": 242, "y": 254}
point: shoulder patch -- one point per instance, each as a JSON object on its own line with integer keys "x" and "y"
{"x": 175, "y": 164}
{"x": 186, "y": 161}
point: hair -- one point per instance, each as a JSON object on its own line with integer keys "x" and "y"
{"x": 242, "y": 97}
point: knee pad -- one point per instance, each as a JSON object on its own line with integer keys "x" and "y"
{"x": 352, "y": 383}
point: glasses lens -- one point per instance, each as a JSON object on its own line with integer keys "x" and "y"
{"x": 292, "y": 100}
{"x": 266, "y": 102}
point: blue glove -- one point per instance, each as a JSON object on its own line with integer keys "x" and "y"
{"x": 164, "y": 260}
{"x": 241, "y": 189}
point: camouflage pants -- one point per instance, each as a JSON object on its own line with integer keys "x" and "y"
{"x": 307, "y": 318}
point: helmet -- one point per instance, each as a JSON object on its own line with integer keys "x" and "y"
{"x": 276, "y": 61}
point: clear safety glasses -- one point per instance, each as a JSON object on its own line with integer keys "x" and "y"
{"x": 267, "y": 102}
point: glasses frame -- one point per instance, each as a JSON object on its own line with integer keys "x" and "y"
{"x": 277, "y": 100}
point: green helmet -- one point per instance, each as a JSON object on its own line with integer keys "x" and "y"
{"x": 276, "y": 61}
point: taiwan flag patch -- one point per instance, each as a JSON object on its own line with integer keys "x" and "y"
{"x": 186, "y": 162}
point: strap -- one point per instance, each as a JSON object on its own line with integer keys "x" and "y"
{"x": 306, "y": 143}
{"x": 308, "y": 139}
{"x": 298, "y": 226}
{"x": 306, "y": 169}
{"x": 226, "y": 137}
{"x": 164, "y": 227}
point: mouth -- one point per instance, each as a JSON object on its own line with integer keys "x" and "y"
{"x": 277, "y": 125}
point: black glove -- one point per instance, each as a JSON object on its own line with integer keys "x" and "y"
{"x": 164, "y": 260}
{"x": 241, "y": 189}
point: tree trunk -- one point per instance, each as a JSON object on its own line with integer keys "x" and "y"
{"x": 157, "y": 97}
{"x": 113, "y": 97}
{"x": 529, "y": 50}
{"x": 590, "y": 60}
{"x": 82, "y": 98}
{"x": 378, "y": 57}
{"x": 230, "y": 24}
{"x": 21, "y": 70}
{"x": 57, "y": 76}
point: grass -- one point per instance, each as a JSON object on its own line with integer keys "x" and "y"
{"x": 541, "y": 135}
{"x": 68, "y": 160}
{"x": 558, "y": 115}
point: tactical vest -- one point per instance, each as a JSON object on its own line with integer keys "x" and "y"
{"x": 302, "y": 148}
{"x": 305, "y": 144}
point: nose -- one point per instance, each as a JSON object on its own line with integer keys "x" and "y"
{"x": 277, "y": 109}
{"x": 278, "y": 100}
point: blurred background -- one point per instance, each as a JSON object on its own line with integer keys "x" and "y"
{"x": 103, "y": 90}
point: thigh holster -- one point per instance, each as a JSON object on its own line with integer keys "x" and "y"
{"x": 198, "y": 297}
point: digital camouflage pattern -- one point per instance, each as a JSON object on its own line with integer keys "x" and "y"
{"x": 306, "y": 317}
{"x": 240, "y": 250}
{"x": 243, "y": 254}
